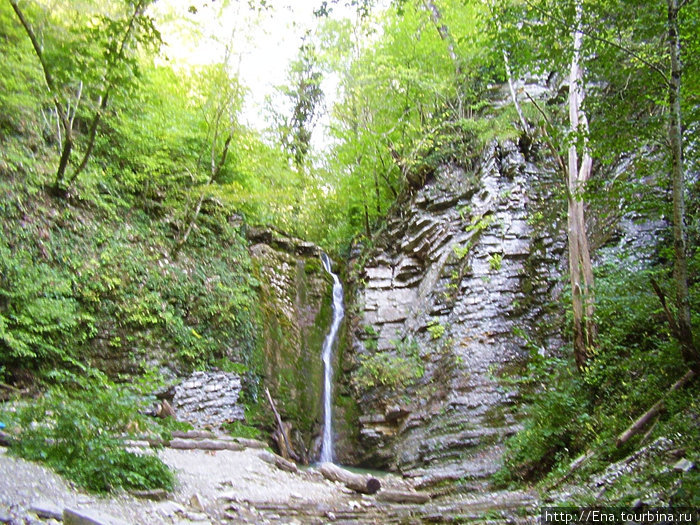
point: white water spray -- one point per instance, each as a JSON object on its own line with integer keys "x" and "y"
{"x": 326, "y": 355}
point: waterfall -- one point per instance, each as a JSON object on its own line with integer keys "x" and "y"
{"x": 326, "y": 356}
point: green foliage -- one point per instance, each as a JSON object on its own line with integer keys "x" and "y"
{"x": 20, "y": 82}
{"x": 238, "y": 429}
{"x": 392, "y": 370}
{"x": 41, "y": 322}
{"x": 557, "y": 421}
{"x": 87, "y": 56}
{"x": 461, "y": 251}
{"x": 79, "y": 433}
{"x": 226, "y": 365}
{"x": 407, "y": 105}
{"x": 634, "y": 365}
{"x": 305, "y": 95}
{"x": 370, "y": 330}
{"x": 479, "y": 224}
{"x": 435, "y": 329}
{"x": 461, "y": 141}
{"x": 79, "y": 284}
{"x": 495, "y": 261}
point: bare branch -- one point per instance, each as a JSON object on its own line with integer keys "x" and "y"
{"x": 548, "y": 138}
{"x": 669, "y": 316}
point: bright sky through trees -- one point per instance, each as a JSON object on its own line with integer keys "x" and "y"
{"x": 264, "y": 43}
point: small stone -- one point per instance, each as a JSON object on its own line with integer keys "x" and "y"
{"x": 46, "y": 510}
{"x": 330, "y": 516}
{"x": 683, "y": 465}
{"x": 154, "y": 495}
{"x": 170, "y": 508}
{"x": 197, "y": 516}
{"x": 196, "y": 503}
{"x": 4, "y": 517}
{"x": 89, "y": 517}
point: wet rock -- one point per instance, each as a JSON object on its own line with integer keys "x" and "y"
{"x": 295, "y": 296}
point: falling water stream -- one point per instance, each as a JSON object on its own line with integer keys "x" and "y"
{"x": 326, "y": 356}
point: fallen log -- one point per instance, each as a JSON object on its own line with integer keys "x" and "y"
{"x": 284, "y": 438}
{"x": 250, "y": 443}
{"x": 204, "y": 444}
{"x": 359, "y": 483}
{"x": 636, "y": 427}
{"x": 403, "y": 496}
{"x": 193, "y": 434}
{"x": 278, "y": 461}
{"x": 573, "y": 467}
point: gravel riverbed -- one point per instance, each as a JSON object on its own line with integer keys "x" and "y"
{"x": 212, "y": 487}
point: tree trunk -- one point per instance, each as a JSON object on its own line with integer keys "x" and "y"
{"x": 377, "y": 194}
{"x": 509, "y": 74}
{"x": 675, "y": 136}
{"x": 278, "y": 461}
{"x": 63, "y": 162}
{"x": 442, "y": 30}
{"x": 403, "y": 496}
{"x": 580, "y": 267}
{"x": 65, "y": 123}
{"x": 356, "y": 482}
{"x": 287, "y": 449}
{"x": 513, "y": 94}
{"x": 205, "y": 444}
{"x": 215, "y": 170}
{"x": 139, "y": 9}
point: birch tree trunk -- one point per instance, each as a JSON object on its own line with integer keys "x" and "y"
{"x": 513, "y": 93}
{"x": 675, "y": 136}
{"x": 444, "y": 33}
{"x": 580, "y": 267}
{"x": 506, "y": 64}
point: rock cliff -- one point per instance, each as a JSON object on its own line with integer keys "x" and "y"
{"x": 451, "y": 299}
{"x": 295, "y": 309}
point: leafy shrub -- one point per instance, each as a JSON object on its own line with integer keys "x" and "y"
{"x": 495, "y": 261}
{"x": 634, "y": 364}
{"x": 557, "y": 421}
{"x": 79, "y": 433}
{"x": 40, "y": 319}
{"x": 390, "y": 369}
{"x": 238, "y": 429}
{"x": 435, "y": 329}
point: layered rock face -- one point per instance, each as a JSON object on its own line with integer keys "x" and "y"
{"x": 462, "y": 274}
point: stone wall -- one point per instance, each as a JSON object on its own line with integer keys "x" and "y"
{"x": 208, "y": 399}
{"x": 463, "y": 269}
